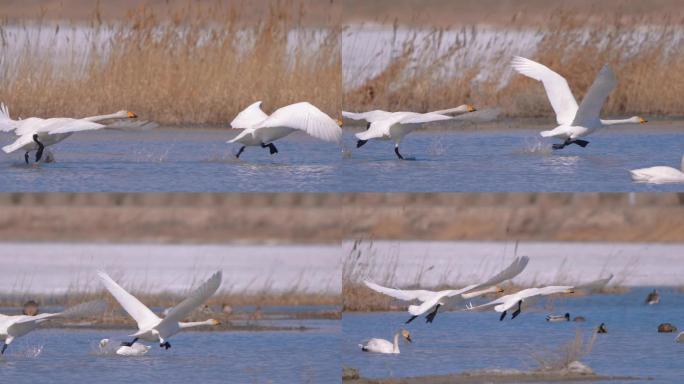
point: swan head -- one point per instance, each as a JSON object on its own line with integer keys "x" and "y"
{"x": 470, "y": 108}
{"x": 213, "y": 322}
{"x": 638, "y": 120}
{"x": 498, "y": 289}
{"x": 339, "y": 122}
{"x": 131, "y": 115}
{"x": 406, "y": 335}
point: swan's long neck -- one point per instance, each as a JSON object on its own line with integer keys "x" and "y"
{"x": 460, "y": 109}
{"x": 481, "y": 292}
{"x": 95, "y": 119}
{"x": 621, "y": 121}
{"x": 196, "y": 324}
{"x": 395, "y": 347}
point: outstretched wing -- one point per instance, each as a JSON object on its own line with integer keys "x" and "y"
{"x": 74, "y": 125}
{"x": 89, "y": 308}
{"x": 590, "y": 108}
{"x": 249, "y": 117}
{"x": 401, "y": 294}
{"x": 305, "y": 117}
{"x": 514, "y": 269}
{"x": 557, "y": 89}
{"x": 138, "y": 311}
{"x": 18, "y": 143}
{"x": 197, "y": 298}
{"x": 369, "y": 116}
{"x": 6, "y": 122}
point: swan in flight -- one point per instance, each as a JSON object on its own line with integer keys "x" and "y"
{"x": 432, "y": 300}
{"x": 260, "y": 129}
{"x": 384, "y": 346}
{"x": 34, "y": 133}
{"x": 150, "y": 326}
{"x": 136, "y": 349}
{"x": 659, "y": 174}
{"x": 395, "y": 125}
{"x": 507, "y": 302}
{"x": 574, "y": 120}
{"x": 12, "y": 327}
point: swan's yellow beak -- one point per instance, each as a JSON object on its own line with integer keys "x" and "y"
{"x": 642, "y": 120}
{"x": 570, "y": 291}
{"x": 339, "y": 122}
{"x": 407, "y": 336}
{"x": 470, "y": 108}
{"x": 499, "y": 290}
{"x": 132, "y": 115}
{"x": 215, "y": 322}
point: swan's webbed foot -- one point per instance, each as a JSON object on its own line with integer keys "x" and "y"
{"x": 431, "y": 316}
{"x": 272, "y": 148}
{"x": 165, "y": 345}
{"x": 360, "y": 143}
{"x": 396, "y": 150}
{"x": 581, "y": 143}
{"x": 368, "y": 126}
{"x": 239, "y": 152}
{"x": 128, "y": 344}
{"x": 41, "y": 147}
{"x": 411, "y": 319}
{"x": 503, "y": 316}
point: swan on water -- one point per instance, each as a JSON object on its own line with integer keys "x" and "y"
{"x": 432, "y": 300}
{"x": 385, "y": 346}
{"x": 136, "y": 349}
{"x": 575, "y": 121}
{"x": 12, "y": 327}
{"x": 659, "y": 174}
{"x": 507, "y": 302}
{"x": 150, "y": 326}
{"x": 260, "y": 129}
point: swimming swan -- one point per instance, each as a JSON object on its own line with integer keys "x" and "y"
{"x": 12, "y": 327}
{"x": 150, "y": 326}
{"x": 262, "y": 130}
{"x": 384, "y": 346}
{"x": 34, "y": 133}
{"x": 659, "y": 174}
{"x": 136, "y": 349}
{"x": 504, "y": 303}
{"x": 395, "y": 125}
{"x": 574, "y": 121}
{"x": 433, "y": 300}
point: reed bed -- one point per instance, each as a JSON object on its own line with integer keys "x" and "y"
{"x": 194, "y": 64}
{"x": 432, "y": 68}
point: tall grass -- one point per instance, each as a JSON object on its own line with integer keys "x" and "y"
{"x": 198, "y": 63}
{"x": 436, "y": 67}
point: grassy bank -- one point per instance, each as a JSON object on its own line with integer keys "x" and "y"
{"x": 189, "y": 63}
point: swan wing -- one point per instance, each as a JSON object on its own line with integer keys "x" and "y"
{"x": 514, "y": 269}
{"x": 249, "y": 117}
{"x": 137, "y": 310}
{"x": 401, "y": 294}
{"x": 486, "y": 306}
{"x": 71, "y": 126}
{"x": 369, "y": 116}
{"x": 20, "y": 142}
{"x": 590, "y": 108}
{"x": 305, "y": 117}
{"x": 85, "y": 309}
{"x": 557, "y": 88}
{"x": 6, "y": 122}
{"x": 197, "y": 298}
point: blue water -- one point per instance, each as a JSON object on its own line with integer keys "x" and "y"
{"x": 198, "y": 160}
{"x": 460, "y": 341}
{"x": 199, "y": 357}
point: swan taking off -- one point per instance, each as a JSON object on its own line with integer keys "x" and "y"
{"x": 433, "y": 300}
{"x": 12, "y": 327}
{"x": 262, "y": 130}
{"x": 574, "y": 121}
{"x": 150, "y": 326}
{"x": 136, "y": 349}
{"x": 395, "y": 125}
{"x": 34, "y": 133}
{"x": 659, "y": 174}
{"x": 504, "y": 303}
{"x": 384, "y": 346}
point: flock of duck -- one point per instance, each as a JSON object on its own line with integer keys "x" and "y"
{"x": 431, "y": 301}
{"x": 575, "y": 122}
{"x": 151, "y": 327}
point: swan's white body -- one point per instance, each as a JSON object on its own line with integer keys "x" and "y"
{"x": 575, "y": 121}
{"x": 659, "y": 174}
{"x": 150, "y": 326}
{"x": 136, "y": 349}
{"x": 260, "y": 129}
{"x": 384, "y": 346}
{"x": 507, "y": 302}
{"x": 431, "y": 299}
{"x": 50, "y": 131}
{"x": 379, "y": 114}
{"x": 12, "y": 327}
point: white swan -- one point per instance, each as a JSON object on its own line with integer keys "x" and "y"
{"x": 504, "y": 303}
{"x": 659, "y": 174}
{"x": 435, "y": 299}
{"x": 34, "y": 133}
{"x": 262, "y": 130}
{"x": 150, "y": 326}
{"x": 379, "y": 114}
{"x": 136, "y": 349}
{"x": 395, "y": 125}
{"x": 574, "y": 121}
{"x": 12, "y": 327}
{"x": 384, "y": 346}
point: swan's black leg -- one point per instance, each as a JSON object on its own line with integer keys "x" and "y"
{"x": 127, "y": 344}
{"x": 360, "y": 143}
{"x": 431, "y": 316}
{"x": 411, "y": 319}
{"x": 4, "y": 346}
{"x": 396, "y": 150}
{"x": 39, "y": 153}
{"x": 237, "y": 155}
{"x": 26, "y": 157}
{"x": 581, "y": 143}
{"x": 517, "y": 311}
{"x": 272, "y": 148}
{"x": 503, "y": 315}
{"x": 561, "y": 146}
{"x": 368, "y": 126}
{"x": 166, "y": 345}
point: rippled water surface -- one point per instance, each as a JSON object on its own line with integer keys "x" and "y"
{"x": 491, "y": 160}
{"x": 459, "y": 341}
